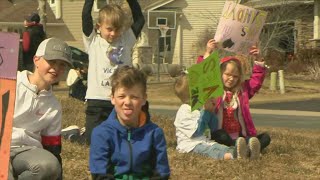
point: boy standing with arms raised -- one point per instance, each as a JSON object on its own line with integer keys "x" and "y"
{"x": 128, "y": 145}
{"x": 109, "y": 46}
{"x": 36, "y": 140}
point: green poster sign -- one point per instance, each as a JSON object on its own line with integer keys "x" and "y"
{"x": 205, "y": 81}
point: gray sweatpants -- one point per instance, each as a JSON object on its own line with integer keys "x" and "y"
{"x": 33, "y": 163}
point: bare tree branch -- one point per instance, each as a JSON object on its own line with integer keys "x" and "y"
{"x": 280, "y": 30}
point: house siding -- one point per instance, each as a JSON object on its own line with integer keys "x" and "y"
{"x": 70, "y": 30}
{"x": 200, "y": 16}
{"x": 71, "y": 14}
{"x": 193, "y": 18}
{"x": 304, "y": 29}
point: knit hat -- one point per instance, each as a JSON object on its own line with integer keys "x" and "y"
{"x": 55, "y": 49}
{"x": 33, "y": 17}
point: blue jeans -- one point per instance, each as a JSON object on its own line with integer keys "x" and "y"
{"x": 215, "y": 151}
{"x": 33, "y": 163}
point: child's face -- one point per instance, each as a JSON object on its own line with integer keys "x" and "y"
{"x": 230, "y": 76}
{"x": 49, "y": 71}
{"x": 128, "y": 103}
{"x": 108, "y": 31}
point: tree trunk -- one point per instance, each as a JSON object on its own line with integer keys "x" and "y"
{"x": 43, "y": 13}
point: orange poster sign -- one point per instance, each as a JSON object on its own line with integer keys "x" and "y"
{"x": 9, "y": 50}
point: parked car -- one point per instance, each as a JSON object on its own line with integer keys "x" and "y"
{"x": 78, "y": 82}
{"x": 80, "y": 58}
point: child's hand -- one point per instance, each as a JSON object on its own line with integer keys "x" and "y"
{"x": 255, "y": 52}
{"x": 211, "y": 46}
{"x": 210, "y": 105}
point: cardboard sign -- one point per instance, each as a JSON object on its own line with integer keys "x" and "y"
{"x": 205, "y": 81}
{"x": 239, "y": 27}
{"x": 9, "y": 51}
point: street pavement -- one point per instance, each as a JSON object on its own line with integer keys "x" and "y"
{"x": 295, "y": 114}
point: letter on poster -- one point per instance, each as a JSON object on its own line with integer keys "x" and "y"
{"x": 239, "y": 27}
{"x": 205, "y": 81}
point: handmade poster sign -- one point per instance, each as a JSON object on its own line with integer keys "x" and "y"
{"x": 239, "y": 27}
{"x": 9, "y": 50}
{"x": 205, "y": 81}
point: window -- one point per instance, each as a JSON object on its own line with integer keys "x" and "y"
{"x": 168, "y": 42}
{"x": 287, "y": 38}
{"x": 98, "y": 4}
{"x": 52, "y": 3}
{"x": 161, "y": 21}
{"x": 165, "y": 42}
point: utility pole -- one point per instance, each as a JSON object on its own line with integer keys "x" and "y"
{"x": 43, "y": 13}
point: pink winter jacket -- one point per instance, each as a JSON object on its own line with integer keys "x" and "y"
{"x": 249, "y": 88}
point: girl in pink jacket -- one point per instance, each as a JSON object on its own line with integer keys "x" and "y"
{"x": 232, "y": 109}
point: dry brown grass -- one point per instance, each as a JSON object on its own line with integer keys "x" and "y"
{"x": 293, "y": 153}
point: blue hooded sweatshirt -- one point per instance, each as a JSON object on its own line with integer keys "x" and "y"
{"x": 117, "y": 152}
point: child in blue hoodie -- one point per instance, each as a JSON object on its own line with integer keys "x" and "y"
{"x": 128, "y": 145}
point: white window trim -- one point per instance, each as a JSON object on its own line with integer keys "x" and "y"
{"x": 52, "y": 4}
{"x": 95, "y": 5}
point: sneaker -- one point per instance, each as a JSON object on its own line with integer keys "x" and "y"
{"x": 82, "y": 131}
{"x": 70, "y": 132}
{"x": 254, "y": 148}
{"x": 241, "y": 147}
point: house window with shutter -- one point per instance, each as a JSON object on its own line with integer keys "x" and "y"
{"x": 164, "y": 47}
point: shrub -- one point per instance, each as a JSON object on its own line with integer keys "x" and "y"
{"x": 275, "y": 59}
{"x": 147, "y": 70}
{"x": 309, "y": 61}
{"x": 307, "y": 55}
{"x": 295, "y": 67}
{"x": 314, "y": 70}
{"x": 174, "y": 70}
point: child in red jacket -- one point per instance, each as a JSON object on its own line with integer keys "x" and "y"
{"x": 232, "y": 109}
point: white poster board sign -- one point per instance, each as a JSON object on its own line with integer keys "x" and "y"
{"x": 239, "y": 27}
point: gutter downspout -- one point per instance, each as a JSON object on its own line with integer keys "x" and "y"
{"x": 58, "y": 9}
{"x": 316, "y": 22}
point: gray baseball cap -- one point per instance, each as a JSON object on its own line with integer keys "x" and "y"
{"x": 55, "y": 49}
